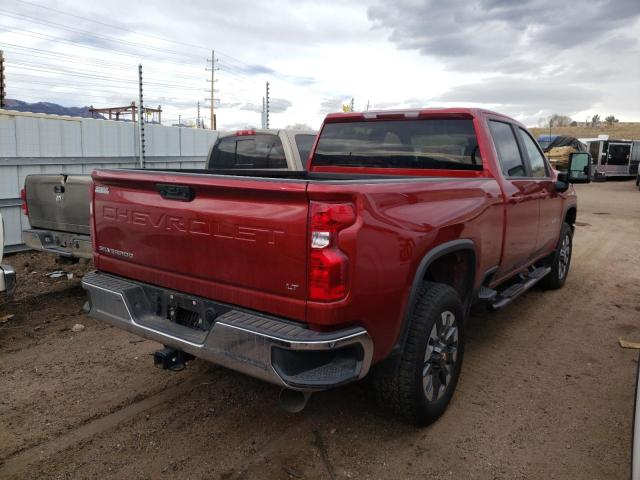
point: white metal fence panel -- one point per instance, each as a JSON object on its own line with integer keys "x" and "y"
{"x": 37, "y": 143}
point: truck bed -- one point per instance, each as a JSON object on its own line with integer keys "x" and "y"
{"x": 244, "y": 239}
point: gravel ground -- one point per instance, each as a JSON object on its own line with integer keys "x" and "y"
{"x": 545, "y": 391}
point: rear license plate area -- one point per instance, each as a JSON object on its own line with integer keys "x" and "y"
{"x": 189, "y": 312}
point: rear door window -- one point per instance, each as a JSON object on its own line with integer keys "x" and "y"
{"x": 536, "y": 158}
{"x": 304, "y": 142}
{"x": 449, "y": 144}
{"x": 507, "y": 147}
{"x": 261, "y": 151}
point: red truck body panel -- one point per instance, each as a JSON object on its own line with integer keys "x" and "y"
{"x": 238, "y": 242}
{"x": 245, "y": 241}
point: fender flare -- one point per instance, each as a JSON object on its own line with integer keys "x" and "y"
{"x": 432, "y": 255}
{"x": 570, "y": 206}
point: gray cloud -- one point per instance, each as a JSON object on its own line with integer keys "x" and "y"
{"x": 333, "y": 104}
{"x": 525, "y": 98}
{"x": 522, "y": 91}
{"x": 503, "y": 36}
{"x": 276, "y": 105}
{"x": 279, "y": 105}
{"x": 543, "y": 56}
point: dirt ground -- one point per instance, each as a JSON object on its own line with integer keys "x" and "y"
{"x": 545, "y": 391}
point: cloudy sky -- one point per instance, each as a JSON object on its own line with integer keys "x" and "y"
{"x": 528, "y": 59}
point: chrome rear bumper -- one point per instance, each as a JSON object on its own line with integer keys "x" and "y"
{"x": 59, "y": 243}
{"x": 272, "y": 349}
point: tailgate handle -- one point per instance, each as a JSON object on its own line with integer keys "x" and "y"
{"x": 182, "y": 193}
{"x": 58, "y": 189}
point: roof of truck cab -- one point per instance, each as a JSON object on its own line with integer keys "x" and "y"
{"x": 413, "y": 112}
{"x": 272, "y": 131}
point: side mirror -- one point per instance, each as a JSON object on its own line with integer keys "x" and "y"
{"x": 579, "y": 168}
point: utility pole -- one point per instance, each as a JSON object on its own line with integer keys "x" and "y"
{"x": 140, "y": 117}
{"x": 2, "y": 84}
{"x": 351, "y": 104}
{"x": 213, "y": 81}
{"x": 266, "y": 108}
{"x": 198, "y": 124}
{"x": 262, "y": 114}
{"x": 367, "y": 105}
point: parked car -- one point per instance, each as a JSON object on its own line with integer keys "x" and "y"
{"x": 7, "y": 273}
{"x": 372, "y": 258}
{"x": 58, "y": 204}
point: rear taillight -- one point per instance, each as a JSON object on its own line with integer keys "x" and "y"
{"x": 244, "y": 133}
{"x": 25, "y": 207}
{"x": 328, "y": 265}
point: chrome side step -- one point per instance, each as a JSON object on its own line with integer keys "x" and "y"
{"x": 498, "y": 299}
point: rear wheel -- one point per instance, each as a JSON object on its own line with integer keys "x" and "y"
{"x": 422, "y": 386}
{"x": 560, "y": 260}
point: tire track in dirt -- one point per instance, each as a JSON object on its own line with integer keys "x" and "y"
{"x": 16, "y": 463}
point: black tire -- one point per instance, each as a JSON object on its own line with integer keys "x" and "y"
{"x": 560, "y": 261}
{"x": 406, "y": 391}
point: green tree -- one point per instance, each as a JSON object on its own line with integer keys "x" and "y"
{"x": 611, "y": 120}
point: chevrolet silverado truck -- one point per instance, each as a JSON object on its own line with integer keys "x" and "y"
{"x": 57, "y": 205}
{"x": 7, "y": 273}
{"x": 368, "y": 261}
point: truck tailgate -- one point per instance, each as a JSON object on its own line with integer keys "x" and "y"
{"x": 232, "y": 239}
{"x": 59, "y": 202}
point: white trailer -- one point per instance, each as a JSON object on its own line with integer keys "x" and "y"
{"x": 613, "y": 158}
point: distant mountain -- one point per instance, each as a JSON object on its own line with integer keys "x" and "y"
{"x": 47, "y": 107}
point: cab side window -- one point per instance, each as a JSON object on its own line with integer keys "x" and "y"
{"x": 536, "y": 158}
{"x": 507, "y": 147}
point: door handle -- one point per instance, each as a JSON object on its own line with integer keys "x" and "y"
{"x": 58, "y": 188}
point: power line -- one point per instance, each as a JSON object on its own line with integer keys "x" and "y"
{"x": 30, "y": 19}
{"x": 88, "y": 60}
{"x": 45, "y": 36}
{"x": 111, "y": 25}
{"x": 99, "y": 64}
{"x": 93, "y": 76}
{"x": 121, "y": 28}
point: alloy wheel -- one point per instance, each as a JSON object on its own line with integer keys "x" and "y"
{"x": 440, "y": 356}
{"x": 565, "y": 256}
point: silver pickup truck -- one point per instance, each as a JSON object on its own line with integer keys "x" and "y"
{"x": 58, "y": 211}
{"x": 7, "y": 274}
{"x": 58, "y": 205}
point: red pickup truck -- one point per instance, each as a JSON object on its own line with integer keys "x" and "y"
{"x": 371, "y": 258}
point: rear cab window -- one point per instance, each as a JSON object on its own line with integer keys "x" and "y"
{"x": 432, "y": 143}
{"x": 259, "y": 151}
{"x": 304, "y": 143}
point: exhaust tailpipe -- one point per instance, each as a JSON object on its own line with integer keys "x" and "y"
{"x": 293, "y": 401}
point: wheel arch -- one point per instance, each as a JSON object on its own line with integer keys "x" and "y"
{"x": 443, "y": 251}
{"x": 570, "y": 215}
